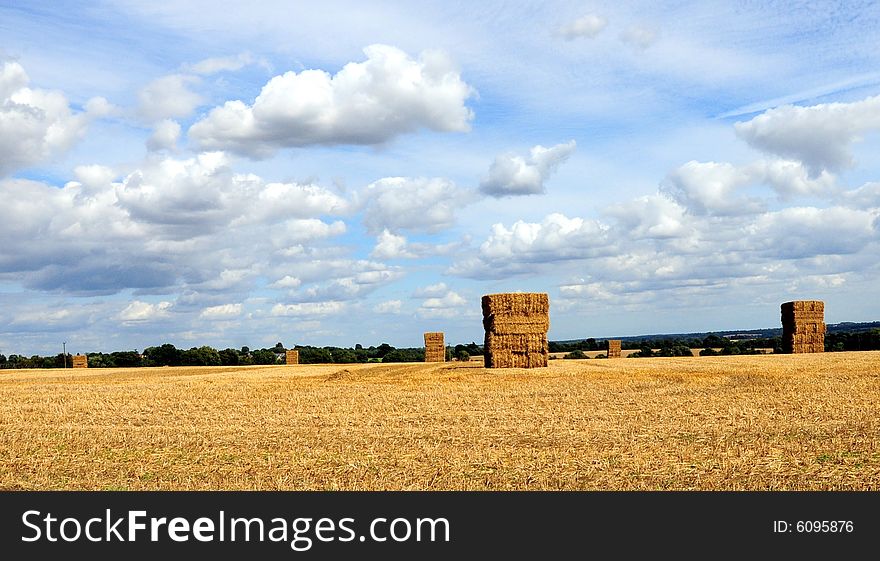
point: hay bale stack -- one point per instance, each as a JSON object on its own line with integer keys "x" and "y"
{"x": 291, "y": 357}
{"x": 516, "y": 328}
{"x": 80, "y": 361}
{"x": 803, "y": 326}
{"x": 435, "y": 349}
{"x": 613, "y": 348}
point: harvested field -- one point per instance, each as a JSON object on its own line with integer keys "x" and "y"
{"x": 803, "y": 421}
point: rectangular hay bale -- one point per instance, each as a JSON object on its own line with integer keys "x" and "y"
{"x": 80, "y": 361}
{"x": 516, "y": 326}
{"x": 435, "y": 349}
{"x": 613, "y": 348}
{"x": 803, "y": 326}
{"x": 291, "y": 357}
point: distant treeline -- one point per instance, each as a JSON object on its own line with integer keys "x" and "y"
{"x": 169, "y": 355}
{"x": 835, "y": 341}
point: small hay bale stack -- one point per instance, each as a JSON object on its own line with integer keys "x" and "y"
{"x": 516, "y": 326}
{"x": 803, "y": 326}
{"x": 613, "y": 348}
{"x": 435, "y": 349}
{"x": 80, "y": 361}
{"x": 291, "y": 357}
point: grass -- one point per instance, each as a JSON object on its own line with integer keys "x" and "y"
{"x": 735, "y": 422}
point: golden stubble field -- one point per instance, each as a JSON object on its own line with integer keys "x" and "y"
{"x": 757, "y": 422}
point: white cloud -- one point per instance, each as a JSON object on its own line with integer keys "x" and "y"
{"x": 390, "y": 246}
{"x": 167, "y": 97}
{"x": 709, "y": 187}
{"x": 350, "y": 287}
{"x": 431, "y": 291}
{"x": 169, "y": 224}
{"x": 138, "y": 311}
{"x": 801, "y": 232}
{"x": 286, "y": 281}
{"x": 214, "y": 65}
{"x": 449, "y": 305}
{"x": 164, "y": 136}
{"x": 820, "y": 136}
{"x": 790, "y": 179}
{"x": 511, "y": 174}
{"x": 407, "y": 203}
{"x": 308, "y": 309}
{"x": 518, "y": 249}
{"x": 35, "y": 124}
{"x": 222, "y": 311}
{"x": 588, "y": 26}
{"x": 639, "y": 36}
{"x": 652, "y": 216}
{"x": 368, "y": 102}
{"x": 388, "y": 307}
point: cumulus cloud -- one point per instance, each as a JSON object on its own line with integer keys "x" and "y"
{"x": 439, "y": 302}
{"x": 223, "y": 311}
{"x": 349, "y": 287}
{"x": 35, "y": 124}
{"x": 801, "y": 232}
{"x": 587, "y": 26}
{"x": 164, "y": 136}
{"x": 518, "y": 249}
{"x": 511, "y": 174}
{"x": 286, "y": 281}
{"x": 138, "y": 311}
{"x": 168, "y": 97}
{"x": 169, "y": 224}
{"x": 820, "y": 136}
{"x": 391, "y": 246}
{"x": 431, "y": 291}
{"x": 369, "y": 102}
{"x": 709, "y": 187}
{"x": 412, "y": 203}
{"x": 791, "y": 178}
{"x": 650, "y": 217}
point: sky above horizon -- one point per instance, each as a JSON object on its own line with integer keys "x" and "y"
{"x": 229, "y": 174}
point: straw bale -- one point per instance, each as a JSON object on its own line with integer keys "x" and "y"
{"x": 803, "y": 326}
{"x": 516, "y": 304}
{"x": 516, "y": 326}
{"x": 80, "y": 361}
{"x": 435, "y": 349}
{"x": 613, "y": 348}
{"x": 291, "y": 357}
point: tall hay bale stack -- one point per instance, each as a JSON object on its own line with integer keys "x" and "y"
{"x": 516, "y": 326}
{"x": 613, "y": 348}
{"x": 291, "y": 357}
{"x": 803, "y": 326}
{"x": 435, "y": 349}
{"x": 80, "y": 361}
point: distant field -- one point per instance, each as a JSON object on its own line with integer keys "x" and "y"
{"x": 733, "y": 422}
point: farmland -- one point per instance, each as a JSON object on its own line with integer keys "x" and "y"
{"x": 772, "y": 422}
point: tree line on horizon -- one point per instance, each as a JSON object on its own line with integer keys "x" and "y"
{"x": 169, "y": 355}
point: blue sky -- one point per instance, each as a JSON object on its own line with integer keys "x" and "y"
{"x": 230, "y": 174}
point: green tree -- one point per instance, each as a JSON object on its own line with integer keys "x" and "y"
{"x": 163, "y": 355}
{"x": 264, "y": 356}
{"x": 229, "y": 357}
